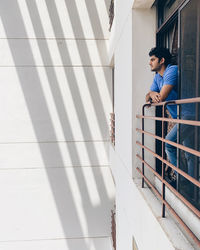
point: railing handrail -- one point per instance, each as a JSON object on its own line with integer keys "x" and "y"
{"x": 174, "y": 102}
{"x": 112, "y": 128}
{"x": 111, "y": 14}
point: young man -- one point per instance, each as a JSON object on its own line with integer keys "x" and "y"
{"x": 165, "y": 83}
{"x": 165, "y": 88}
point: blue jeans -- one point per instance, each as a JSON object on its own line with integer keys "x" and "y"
{"x": 187, "y": 138}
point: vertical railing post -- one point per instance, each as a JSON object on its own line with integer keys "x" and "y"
{"x": 143, "y": 145}
{"x": 111, "y": 14}
{"x": 163, "y": 157}
{"x": 178, "y": 152}
{"x": 196, "y": 162}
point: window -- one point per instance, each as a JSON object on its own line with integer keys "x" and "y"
{"x": 166, "y": 8}
{"x": 189, "y": 87}
{"x": 179, "y": 30}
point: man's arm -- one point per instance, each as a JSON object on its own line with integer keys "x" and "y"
{"x": 170, "y": 80}
{"x": 153, "y": 94}
{"x": 166, "y": 89}
{"x": 159, "y": 97}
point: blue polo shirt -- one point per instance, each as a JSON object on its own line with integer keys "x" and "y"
{"x": 170, "y": 77}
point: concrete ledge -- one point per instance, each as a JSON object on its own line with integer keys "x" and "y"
{"x": 143, "y": 4}
{"x": 61, "y": 244}
{"x": 182, "y": 210}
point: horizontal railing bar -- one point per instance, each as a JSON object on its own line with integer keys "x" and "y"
{"x": 185, "y": 101}
{"x": 185, "y": 201}
{"x": 193, "y": 236}
{"x": 187, "y": 122}
{"x": 173, "y": 102}
{"x": 165, "y": 183}
{"x": 178, "y": 170}
{"x": 189, "y": 150}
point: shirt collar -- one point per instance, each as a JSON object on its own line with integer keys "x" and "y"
{"x": 164, "y": 71}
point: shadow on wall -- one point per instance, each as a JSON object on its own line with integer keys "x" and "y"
{"x": 41, "y": 117}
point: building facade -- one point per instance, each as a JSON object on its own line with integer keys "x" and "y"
{"x": 63, "y": 78}
{"x": 156, "y": 216}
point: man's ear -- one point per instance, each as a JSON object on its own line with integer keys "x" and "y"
{"x": 162, "y": 60}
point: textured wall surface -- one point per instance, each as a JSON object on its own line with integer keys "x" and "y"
{"x": 56, "y": 188}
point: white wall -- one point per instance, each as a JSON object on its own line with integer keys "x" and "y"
{"x": 144, "y": 26}
{"x": 56, "y": 188}
{"x": 59, "y": 19}
{"x": 123, "y": 91}
{"x": 122, "y": 11}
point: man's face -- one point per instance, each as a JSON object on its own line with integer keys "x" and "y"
{"x": 155, "y": 64}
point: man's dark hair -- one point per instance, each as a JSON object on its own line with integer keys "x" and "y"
{"x": 160, "y": 53}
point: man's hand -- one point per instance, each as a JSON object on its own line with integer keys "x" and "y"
{"x": 159, "y": 97}
{"x": 153, "y": 96}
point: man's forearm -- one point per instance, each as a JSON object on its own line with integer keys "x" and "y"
{"x": 148, "y": 98}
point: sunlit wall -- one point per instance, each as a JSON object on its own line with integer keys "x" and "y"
{"x": 55, "y": 98}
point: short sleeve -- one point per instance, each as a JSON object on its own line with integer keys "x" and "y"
{"x": 154, "y": 85}
{"x": 171, "y": 76}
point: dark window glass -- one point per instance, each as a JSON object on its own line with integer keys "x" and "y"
{"x": 166, "y": 8}
{"x": 169, "y": 7}
{"x": 189, "y": 58}
{"x": 188, "y": 50}
{"x": 181, "y": 34}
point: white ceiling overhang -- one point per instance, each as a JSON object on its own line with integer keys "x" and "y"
{"x": 144, "y": 4}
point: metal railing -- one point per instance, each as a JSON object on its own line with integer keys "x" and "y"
{"x": 112, "y": 128}
{"x": 113, "y": 228}
{"x": 111, "y": 14}
{"x": 165, "y": 162}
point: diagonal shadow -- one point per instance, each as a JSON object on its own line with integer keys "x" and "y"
{"x": 36, "y": 104}
{"x": 84, "y": 54}
{"x": 79, "y": 105}
{"x": 40, "y": 106}
{"x": 96, "y": 26}
{"x": 96, "y": 99}
{"x": 97, "y": 30}
{"x": 71, "y": 79}
{"x": 107, "y": 4}
{"x": 56, "y": 24}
